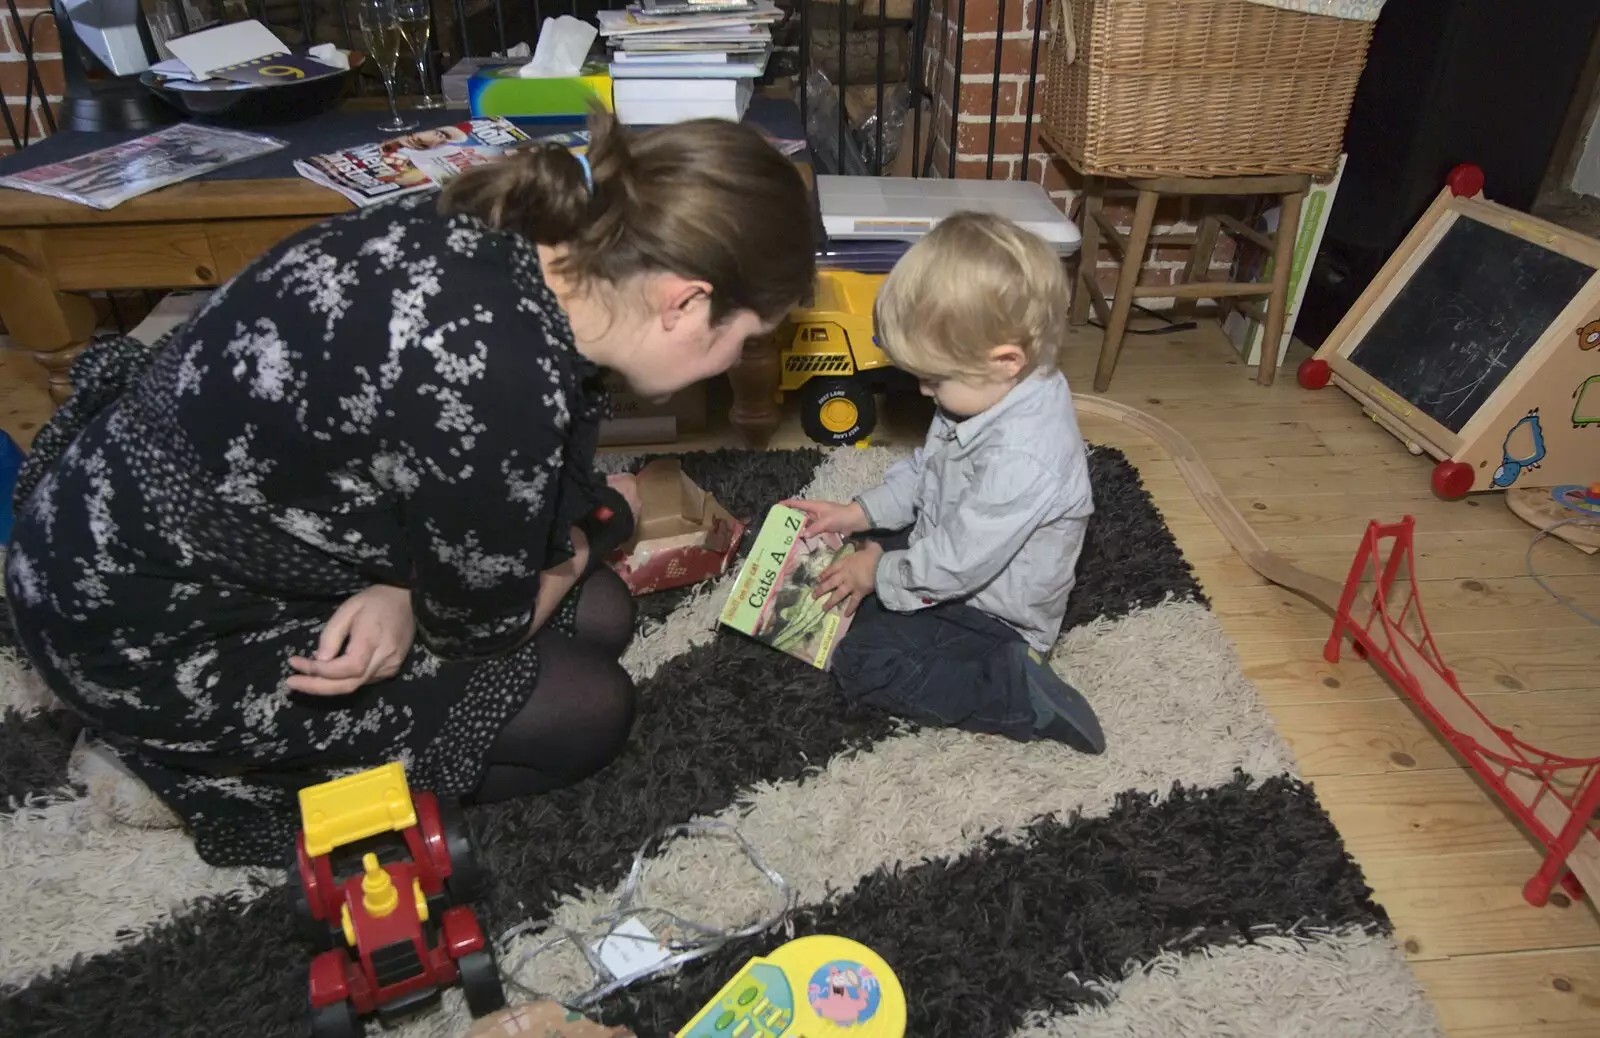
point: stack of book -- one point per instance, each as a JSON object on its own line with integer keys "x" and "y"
{"x": 687, "y": 59}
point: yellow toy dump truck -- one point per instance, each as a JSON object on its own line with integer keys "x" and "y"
{"x": 832, "y": 358}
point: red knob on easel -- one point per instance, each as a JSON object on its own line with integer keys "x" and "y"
{"x": 1313, "y": 373}
{"x": 1465, "y": 181}
{"x": 1452, "y": 480}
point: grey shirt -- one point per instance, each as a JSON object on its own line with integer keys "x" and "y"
{"x": 997, "y": 506}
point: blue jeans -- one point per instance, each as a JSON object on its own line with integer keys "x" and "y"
{"x": 948, "y": 665}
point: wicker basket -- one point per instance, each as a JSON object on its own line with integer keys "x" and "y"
{"x": 1199, "y": 88}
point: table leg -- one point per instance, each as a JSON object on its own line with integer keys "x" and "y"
{"x": 1089, "y": 248}
{"x": 1278, "y": 302}
{"x": 1199, "y": 266}
{"x": 51, "y": 326}
{"x": 755, "y": 412}
{"x": 1144, "y": 215}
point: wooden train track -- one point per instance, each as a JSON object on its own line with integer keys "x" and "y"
{"x": 1555, "y": 797}
{"x": 1238, "y": 532}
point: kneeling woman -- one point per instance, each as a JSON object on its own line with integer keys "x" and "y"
{"x": 348, "y": 513}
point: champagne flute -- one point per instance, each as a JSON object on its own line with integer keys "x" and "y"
{"x": 416, "y": 26}
{"x": 380, "y": 29}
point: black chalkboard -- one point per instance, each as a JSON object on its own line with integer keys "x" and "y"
{"x": 1468, "y": 315}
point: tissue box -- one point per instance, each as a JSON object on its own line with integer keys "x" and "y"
{"x": 453, "y": 84}
{"x": 681, "y": 536}
{"x": 500, "y": 91}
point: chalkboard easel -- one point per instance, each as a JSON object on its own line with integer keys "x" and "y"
{"x": 1479, "y": 343}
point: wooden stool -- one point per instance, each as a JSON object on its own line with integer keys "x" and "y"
{"x": 1291, "y": 188}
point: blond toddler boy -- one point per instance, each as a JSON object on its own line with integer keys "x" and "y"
{"x": 961, "y": 595}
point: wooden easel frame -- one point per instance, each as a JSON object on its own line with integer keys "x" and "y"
{"x": 1408, "y": 422}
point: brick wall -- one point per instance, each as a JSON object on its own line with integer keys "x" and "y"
{"x": 1019, "y": 153}
{"x": 14, "y": 71}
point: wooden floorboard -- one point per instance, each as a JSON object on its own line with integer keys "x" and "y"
{"x": 1309, "y": 470}
{"x": 1548, "y": 994}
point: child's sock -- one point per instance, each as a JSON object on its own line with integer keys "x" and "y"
{"x": 1060, "y": 711}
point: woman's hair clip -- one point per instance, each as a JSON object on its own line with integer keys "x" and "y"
{"x": 588, "y": 172}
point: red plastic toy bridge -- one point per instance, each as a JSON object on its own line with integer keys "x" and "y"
{"x": 1556, "y": 797}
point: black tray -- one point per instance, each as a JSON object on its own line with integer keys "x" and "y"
{"x": 258, "y": 105}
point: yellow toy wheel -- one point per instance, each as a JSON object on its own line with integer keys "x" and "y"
{"x": 839, "y": 415}
{"x": 837, "y": 411}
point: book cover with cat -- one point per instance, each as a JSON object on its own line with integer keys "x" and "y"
{"x": 773, "y": 600}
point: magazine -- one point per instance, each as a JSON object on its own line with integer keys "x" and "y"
{"x": 110, "y": 176}
{"x": 772, "y": 600}
{"x": 421, "y": 160}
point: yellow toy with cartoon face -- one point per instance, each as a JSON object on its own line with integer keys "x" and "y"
{"x": 814, "y": 987}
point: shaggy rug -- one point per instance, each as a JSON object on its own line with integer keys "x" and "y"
{"x": 1184, "y": 883}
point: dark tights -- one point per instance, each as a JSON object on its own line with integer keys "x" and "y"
{"x": 580, "y": 712}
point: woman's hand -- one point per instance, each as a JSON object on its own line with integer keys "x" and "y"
{"x": 851, "y": 579}
{"x": 366, "y": 641}
{"x": 555, "y": 582}
{"x": 628, "y": 487}
{"x": 831, "y": 517}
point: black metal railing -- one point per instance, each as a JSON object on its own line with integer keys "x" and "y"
{"x": 919, "y": 77}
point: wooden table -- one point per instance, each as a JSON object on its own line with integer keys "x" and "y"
{"x": 198, "y": 235}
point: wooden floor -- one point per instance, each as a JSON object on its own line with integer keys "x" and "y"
{"x": 1310, "y": 470}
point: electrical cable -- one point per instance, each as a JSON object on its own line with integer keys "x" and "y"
{"x": 706, "y": 939}
{"x": 1537, "y": 579}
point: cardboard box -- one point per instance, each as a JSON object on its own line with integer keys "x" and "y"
{"x": 681, "y": 536}
{"x": 637, "y": 419}
{"x": 500, "y": 91}
{"x": 1254, "y": 264}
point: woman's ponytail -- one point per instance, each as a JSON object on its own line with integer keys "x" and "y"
{"x": 706, "y": 199}
{"x": 541, "y": 191}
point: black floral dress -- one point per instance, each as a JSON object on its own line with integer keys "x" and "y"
{"x": 389, "y": 397}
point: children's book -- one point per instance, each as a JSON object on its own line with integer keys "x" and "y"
{"x": 772, "y": 601}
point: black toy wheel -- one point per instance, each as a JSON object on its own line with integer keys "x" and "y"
{"x": 836, "y": 411}
{"x": 466, "y": 877}
{"x": 336, "y": 1021}
{"x": 313, "y": 931}
{"x": 480, "y": 980}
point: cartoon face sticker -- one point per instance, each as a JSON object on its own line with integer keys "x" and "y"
{"x": 845, "y": 993}
{"x": 1589, "y": 336}
{"x": 1526, "y": 439}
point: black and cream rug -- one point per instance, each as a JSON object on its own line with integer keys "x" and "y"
{"x": 1185, "y": 883}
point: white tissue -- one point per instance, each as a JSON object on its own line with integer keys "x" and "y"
{"x": 328, "y": 54}
{"x": 562, "y": 48}
{"x": 519, "y": 49}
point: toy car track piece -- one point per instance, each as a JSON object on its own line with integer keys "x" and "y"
{"x": 809, "y": 988}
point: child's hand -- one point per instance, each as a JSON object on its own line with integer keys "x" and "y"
{"x": 851, "y": 579}
{"x": 831, "y": 517}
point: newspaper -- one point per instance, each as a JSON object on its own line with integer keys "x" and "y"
{"x": 421, "y": 160}
{"x": 110, "y": 176}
